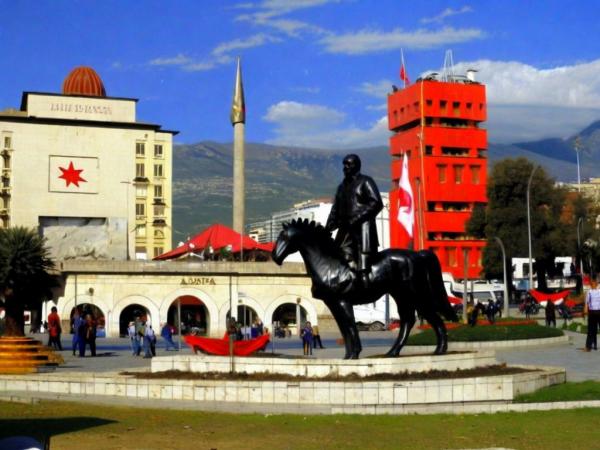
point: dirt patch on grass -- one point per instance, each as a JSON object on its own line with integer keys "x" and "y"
{"x": 486, "y": 371}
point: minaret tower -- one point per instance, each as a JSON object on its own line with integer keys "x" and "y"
{"x": 238, "y": 120}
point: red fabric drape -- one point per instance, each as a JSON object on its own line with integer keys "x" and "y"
{"x": 554, "y": 297}
{"x": 221, "y": 346}
{"x": 454, "y": 300}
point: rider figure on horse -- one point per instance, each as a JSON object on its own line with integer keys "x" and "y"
{"x": 357, "y": 203}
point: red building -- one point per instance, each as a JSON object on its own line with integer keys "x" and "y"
{"x": 436, "y": 123}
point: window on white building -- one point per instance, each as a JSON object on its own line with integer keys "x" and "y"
{"x": 140, "y": 149}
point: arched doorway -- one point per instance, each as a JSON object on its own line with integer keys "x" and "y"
{"x": 245, "y": 315}
{"x": 97, "y": 314}
{"x": 285, "y": 318}
{"x": 129, "y": 314}
{"x": 194, "y": 315}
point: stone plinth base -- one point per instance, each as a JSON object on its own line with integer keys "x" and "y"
{"x": 317, "y": 368}
{"x": 366, "y": 397}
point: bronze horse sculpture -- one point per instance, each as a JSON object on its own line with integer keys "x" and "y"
{"x": 413, "y": 279}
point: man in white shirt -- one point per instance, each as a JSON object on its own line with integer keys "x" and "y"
{"x": 592, "y": 305}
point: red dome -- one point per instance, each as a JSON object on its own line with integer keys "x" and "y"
{"x": 83, "y": 81}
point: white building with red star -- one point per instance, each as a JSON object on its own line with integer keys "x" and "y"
{"x": 83, "y": 170}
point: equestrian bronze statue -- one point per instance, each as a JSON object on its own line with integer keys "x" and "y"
{"x": 348, "y": 271}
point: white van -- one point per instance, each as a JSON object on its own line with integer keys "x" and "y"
{"x": 371, "y": 316}
{"x": 483, "y": 290}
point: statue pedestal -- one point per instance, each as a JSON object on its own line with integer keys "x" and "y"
{"x": 321, "y": 368}
{"x": 26, "y": 355}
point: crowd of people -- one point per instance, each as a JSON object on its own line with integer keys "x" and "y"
{"x": 243, "y": 332}
{"x": 143, "y": 338}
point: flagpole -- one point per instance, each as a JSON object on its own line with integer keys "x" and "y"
{"x": 403, "y": 67}
{"x": 421, "y": 139}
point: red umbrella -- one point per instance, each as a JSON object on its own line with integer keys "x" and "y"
{"x": 216, "y": 237}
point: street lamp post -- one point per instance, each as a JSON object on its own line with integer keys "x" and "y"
{"x": 529, "y": 226}
{"x": 579, "y": 223}
{"x": 499, "y": 241}
{"x": 577, "y": 148}
{"x": 127, "y": 224}
{"x": 386, "y": 209}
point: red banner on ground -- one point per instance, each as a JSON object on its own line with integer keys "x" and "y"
{"x": 221, "y": 346}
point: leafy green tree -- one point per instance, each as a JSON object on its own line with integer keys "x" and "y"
{"x": 505, "y": 217}
{"x": 24, "y": 277}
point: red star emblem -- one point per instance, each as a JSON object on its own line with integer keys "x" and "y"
{"x": 71, "y": 175}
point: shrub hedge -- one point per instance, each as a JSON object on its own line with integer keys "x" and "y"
{"x": 498, "y": 332}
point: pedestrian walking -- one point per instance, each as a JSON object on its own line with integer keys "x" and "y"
{"x": 316, "y": 337}
{"x": 592, "y": 309}
{"x": 167, "y": 334}
{"x": 307, "y": 338}
{"x": 147, "y": 340}
{"x": 133, "y": 342}
{"x": 87, "y": 336}
{"x": 54, "y": 330}
{"x": 152, "y": 337}
{"x": 550, "y": 314}
{"x": 77, "y": 324}
{"x": 139, "y": 334}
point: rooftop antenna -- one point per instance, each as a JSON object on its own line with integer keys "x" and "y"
{"x": 448, "y": 69}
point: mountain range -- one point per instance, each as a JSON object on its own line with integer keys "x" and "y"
{"x": 277, "y": 177}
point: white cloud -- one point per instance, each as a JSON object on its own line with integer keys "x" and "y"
{"x": 448, "y": 12}
{"x": 248, "y": 5}
{"x": 306, "y": 89}
{"x": 269, "y": 13}
{"x": 372, "y": 41}
{"x": 511, "y": 82}
{"x": 253, "y": 41}
{"x": 509, "y": 124}
{"x": 526, "y": 103}
{"x": 288, "y": 111}
{"x": 378, "y": 89}
{"x": 218, "y": 56}
{"x": 306, "y": 125}
{"x": 178, "y": 60}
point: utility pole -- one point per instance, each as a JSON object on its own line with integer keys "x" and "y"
{"x": 577, "y": 146}
{"x": 529, "y": 226}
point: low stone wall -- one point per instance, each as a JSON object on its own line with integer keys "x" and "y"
{"x": 487, "y": 345}
{"x": 376, "y": 397}
{"x": 313, "y": 368}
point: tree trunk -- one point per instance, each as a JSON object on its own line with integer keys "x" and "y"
{"x": 542, "y": 269}
{"x": 15, "y": 320}
{"x": 36, "y": 318}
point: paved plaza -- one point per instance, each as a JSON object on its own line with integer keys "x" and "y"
{"x": 114, "y": 354}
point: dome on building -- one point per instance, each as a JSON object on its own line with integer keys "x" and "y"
{"x": 83, "y": 81}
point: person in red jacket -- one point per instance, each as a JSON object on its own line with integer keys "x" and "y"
{"x": 54, "y": 329}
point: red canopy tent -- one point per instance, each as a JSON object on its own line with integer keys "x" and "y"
{"x": 216, "y": 236}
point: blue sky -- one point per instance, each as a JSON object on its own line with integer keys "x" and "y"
{"x": 316, "y": 72}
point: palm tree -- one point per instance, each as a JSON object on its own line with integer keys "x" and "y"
{"x": 24, "y": 277}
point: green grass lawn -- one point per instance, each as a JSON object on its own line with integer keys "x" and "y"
{"x": 76, "y": 426}
{"x": 585, "y": 390}
{"x": 496, "y": 332}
